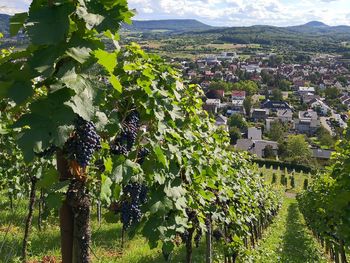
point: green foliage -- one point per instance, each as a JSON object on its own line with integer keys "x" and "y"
{"x": 274, "y": 178}
{"x": 276, "y": 95}
{"x": 67, "y": 71}
{"x": 238, "y": 121}
{"x": 292, "y": 182}
{"x": 247, "y": 104}
{"x": 247, "y": 85}
{"x": 325, "y": 137}
{"x": 277, "y": 131}
{"x": 325, "y": 203}
{"x": 298, "y": 149}
{"x": 306, "y": 184}
{"x": 235, "y": 134}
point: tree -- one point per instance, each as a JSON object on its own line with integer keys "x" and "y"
{"x": 235, "y": 134}
{"x": 306, "y": 183}
{"x": 269, "y": 152}
{"x": 292, "y": 182}
{"x": 247, "y": 104}
{"x": 274, "y": 178}
{"x": 276, "y": 95}
{"x": 237, "y": 120}
{"x": 248, "y": 85}
{"x": 298, "y": 150}
{"x": 219, "y": 85}
{"x": 332, "y": 93}
{"x": 277, "y": 131}
{"x": 325, "y": 137}
{"x": 284, "y": 85}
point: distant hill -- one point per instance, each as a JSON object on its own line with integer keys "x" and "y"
{"x": 316, "y": 24}
{"x": 313, "y": 36}
{"x": 174, "y": 25}
{"x": 4, "y": 23}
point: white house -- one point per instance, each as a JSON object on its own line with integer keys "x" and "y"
{"x": 305, "y": 90}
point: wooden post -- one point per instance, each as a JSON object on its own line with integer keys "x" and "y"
{"x": 29, "y": 219}
{"x": 209, "y": 256}
{"x": 66, "y": 214}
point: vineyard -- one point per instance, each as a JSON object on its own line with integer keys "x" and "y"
{"x": 107, "y": 155}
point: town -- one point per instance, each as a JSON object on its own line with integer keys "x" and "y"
{"x": 275, "y": 110}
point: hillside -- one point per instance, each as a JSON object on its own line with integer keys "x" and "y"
{"x": 4, "y": 23}
{"x": 313, "y": 36}
{"x": 174, "y": 25}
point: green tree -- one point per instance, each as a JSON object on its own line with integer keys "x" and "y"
{"x": 235, "y": 134}
{"x": 276, "y": 95}
{"x": 219, "y": 85}
{"x": 298, "y": 149}
{"x": 277, "y": 131}
{"x": 247, "y": 104}
{"x": 269, "y": 152}
{"x": 332, "y": 93}
{"x": 325, "y": 137}
{"x": 306, "y": 183}
{"x": 248, "y": 85}
{"x": 237, "y": 120}
{"x": 292, "y": 182}
{"x": 274, "y": 178}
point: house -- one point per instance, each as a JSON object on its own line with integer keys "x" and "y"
{"x": 254, "y": 133}
{"x": 212, "y": 105}
{"x": 305, "y": 90}
{"x": 237, "y": 106}
{"x": 320, "y": 107}
{"x": 221, "y": 121}
{"x": 256, "y": 147}
{"x": 275, "y": 105}
{"x": 260, "y": 114}
{"x": 307, "y": 97}
{"x": 307, "y": 123}
{"x": 285, "y": 115}
{"x": 238, "y": 95}
{"x": 321, "y": 153}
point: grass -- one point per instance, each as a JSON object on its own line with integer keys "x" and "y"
{"x": 288, "y": 240}
{"x": 285, "y": 239}
{"x": 298, "y": 178}
{"x": 106, "y": 240}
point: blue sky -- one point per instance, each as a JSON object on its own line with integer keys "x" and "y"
{"x": 230, "y": 12}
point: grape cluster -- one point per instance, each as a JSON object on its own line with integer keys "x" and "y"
{"x": 126, "y": 140}
{"x": 218, "y": 234}
{"x": 85, "y": 141}
{"x": 47, "y": 152}
{"x": 135, "y": 195}
{"x": 143, "y": 153}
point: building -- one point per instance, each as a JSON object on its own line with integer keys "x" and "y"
{"x": 212, "y": 105}
{"x": 221, "y": 121}
{"x": 306, "y": 90}
{"x": 275, "y": 105}
{"x": 307, "y": 123}
{"x": 260, "y": 114}
{"x": 256, "y": 147}
{"x": 285, "y": 115}
{"x": 254, "y": 133}
{"x": 320, "y": 107}
{"x": 238, "y": 95}
{"x": 323, "y": 154}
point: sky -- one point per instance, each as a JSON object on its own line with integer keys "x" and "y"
{"x": 230, "y": 12}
